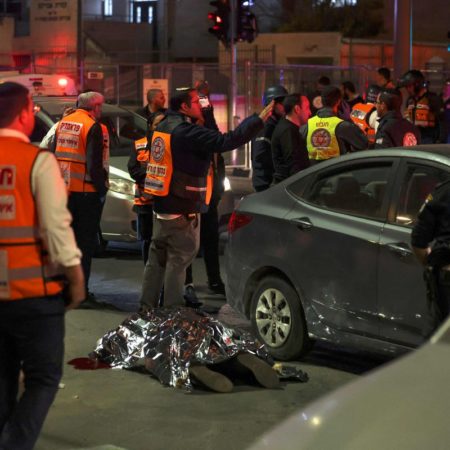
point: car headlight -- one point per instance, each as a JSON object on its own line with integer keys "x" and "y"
{"x": 121, "y": 186}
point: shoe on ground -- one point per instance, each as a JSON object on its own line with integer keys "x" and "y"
{"x": 90, "y": 302}
{"x": 217, "y": 287}
{"x": 190, "y": 297}
{"x": 264, "y": 374}
{"x": 210, "y": 379}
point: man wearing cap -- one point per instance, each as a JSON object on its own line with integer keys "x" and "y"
{"x": 262, "y": 163}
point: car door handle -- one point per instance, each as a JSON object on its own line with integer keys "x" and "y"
{"x": 400, "y": 248}
{"x": 302, "y": 222}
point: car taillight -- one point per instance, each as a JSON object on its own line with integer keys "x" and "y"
{"x": 238, "y": 220}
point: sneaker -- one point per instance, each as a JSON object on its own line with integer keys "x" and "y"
{"x": 190, "y": 297}
{"x": 217, "y": 287}
{"x": 212, "y": 380}
{"x": 263, "y": 372}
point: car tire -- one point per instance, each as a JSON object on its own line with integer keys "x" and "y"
{"x": 278, "y": 319}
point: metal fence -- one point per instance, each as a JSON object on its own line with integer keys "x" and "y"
{"x": 123, "y": 83}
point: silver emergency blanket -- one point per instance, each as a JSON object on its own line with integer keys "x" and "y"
{"x": 168, "y": 341}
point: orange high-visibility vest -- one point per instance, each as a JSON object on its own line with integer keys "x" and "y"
{"x": 140, "y": 147}
{"x": 25, "y": 269}
{"x": 160, "y": 172}
{"x": 71, "y": 142}
{"x": 419, "y": 113}
{"x": 360, "y": 116}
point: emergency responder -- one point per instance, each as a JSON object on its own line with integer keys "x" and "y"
{"x": 262, "y": 164}
{"x": 328, "y": 136}
{"x": 37, "y": 250}
{"x": 383, "y": 78}
{"x": 155, "y": 104}
{"x": 80, "y": 151}
{"x": 364, "y": 114}
{"x": 179, "y": 178}
{"x": 430, "y": 239}
{"x": 422, "y": 107}
{"x": 137, "y": 168}
{"x": 289, "y": 151}
{"x": 393, "y": 130}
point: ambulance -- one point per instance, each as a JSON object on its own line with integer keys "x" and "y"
{"x": 42, "y": 84}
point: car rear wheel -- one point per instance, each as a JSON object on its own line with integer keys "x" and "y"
{"x": 278, "y": 319}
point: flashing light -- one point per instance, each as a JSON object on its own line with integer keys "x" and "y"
{"x": 62, "y": 82}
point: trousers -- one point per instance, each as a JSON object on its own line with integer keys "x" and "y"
{"x": 86, "y": 209}
{"x": 174, "y": 246}
{"x": 31, "y": 339}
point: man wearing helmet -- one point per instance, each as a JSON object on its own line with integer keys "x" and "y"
{"x": 262, "y": 164}
{"x": 422, "y": 106}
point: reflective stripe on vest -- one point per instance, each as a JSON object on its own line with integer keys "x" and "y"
{"x": 321, "y": 141}
{"x": 140, "y": 197}
{"x": 25, "y": 270}
{"x": 360, "y": 116}
{"x": 419, "y": 113}
{"x": 71, "y": 142}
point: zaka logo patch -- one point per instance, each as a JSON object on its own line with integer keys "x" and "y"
{"x": 158, "y": 147}
{"x": 7, "y": 207}
{"x": 321, "y": 138}
{"x": 7, "y": 177}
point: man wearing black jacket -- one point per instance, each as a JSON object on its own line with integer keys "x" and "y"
{"x": 176, "y": 230}
{"x": 289, "y": 151}
{"x": 393, "y": 130}
{"x": 430, "y": 239}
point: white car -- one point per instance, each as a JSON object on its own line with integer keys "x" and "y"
{"x": 118, "y": 221}
{"x": 403, "y": 405}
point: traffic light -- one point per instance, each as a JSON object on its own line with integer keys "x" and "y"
{"x": 247, "y": 27}
{"x": 221, "y": 20}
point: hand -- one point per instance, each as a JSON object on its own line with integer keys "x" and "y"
{"x": 77, "y": 294}
{"x": 267, "y": 111}
{"x": 76, "y": 290}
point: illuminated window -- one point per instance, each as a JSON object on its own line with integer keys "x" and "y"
{"x": 107, "y": 7}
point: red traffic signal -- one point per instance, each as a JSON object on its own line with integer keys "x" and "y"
{"x": 221, "y": 20}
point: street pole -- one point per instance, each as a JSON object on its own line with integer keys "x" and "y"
{"x": 80, "y": 44}
{"x": 233, "y": 51}
{"x": 402, "y": 37}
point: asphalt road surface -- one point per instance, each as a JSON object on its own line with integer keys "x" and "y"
{"x": 118, "y": 409}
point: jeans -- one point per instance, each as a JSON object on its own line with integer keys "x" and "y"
{"x": 31, "y": 339}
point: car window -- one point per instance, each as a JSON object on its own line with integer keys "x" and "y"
{"x": 359, "y": 191}
{"x": 40, "y": 129}
{"x": 419, "y": 181}
{"x": 123, "y": 130}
